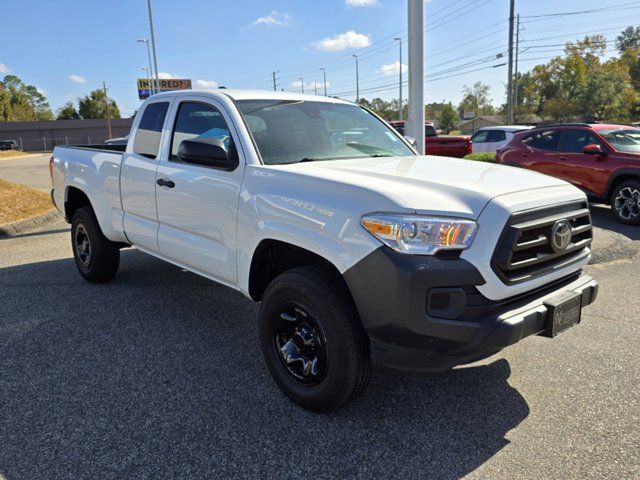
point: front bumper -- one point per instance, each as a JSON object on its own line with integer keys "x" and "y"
{"x": 392, "y": 294}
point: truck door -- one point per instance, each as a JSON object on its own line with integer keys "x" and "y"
{"x": 138, "y": 177}
{"x": 197, "y": 205}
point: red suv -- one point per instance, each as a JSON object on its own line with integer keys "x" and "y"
{"x": 602, "y": 160}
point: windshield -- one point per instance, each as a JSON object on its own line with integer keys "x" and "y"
{"x": 623, "y": 140}
{"x": 302, "y": 131}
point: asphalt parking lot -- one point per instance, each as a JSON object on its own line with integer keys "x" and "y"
{"x": 159, "y": 373}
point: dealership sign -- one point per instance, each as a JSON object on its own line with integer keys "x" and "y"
{"x": 163, "y": 85}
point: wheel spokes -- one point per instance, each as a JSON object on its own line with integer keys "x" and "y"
{"x": 300, "y": 344}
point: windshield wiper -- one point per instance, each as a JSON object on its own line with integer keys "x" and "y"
{"x": 371, "y": 150}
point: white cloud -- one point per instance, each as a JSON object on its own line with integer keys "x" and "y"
{"x": 343, "y": 41}
{"x": 206, "y": 84}
{"x": 361, "y": 3}
{"x": 275, "y": 18}
{"x": 77, "y": 79}
{"x": 4, "y": 68}
{"x": 393, "y": 68}
{"x": 164, "y": 76}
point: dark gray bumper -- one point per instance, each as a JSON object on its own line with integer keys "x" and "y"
{"x": 392, "y": 293}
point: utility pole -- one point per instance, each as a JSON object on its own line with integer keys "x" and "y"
{"x": 510, "y": 80}
{"x": 301, "y": 83}
{"x": 399, "y": 40}
{"x": 415, "y": 125}
{"x": 146, "y": 42}
{"x": 315, "y": 87}
{"x": 106, "y": 107}
{"x": 153, "y": 47}
{"x": 324, "y": 78}
{"x": 357, "y": 80}
{"x": 275, "y": 87}
{"x": 515, "y": 80}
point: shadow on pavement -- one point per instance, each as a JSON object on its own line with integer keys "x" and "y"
{"x": 159, "y": 373}
{"x": 603, "y": 217}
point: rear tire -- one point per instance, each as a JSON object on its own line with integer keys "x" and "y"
{"x": 625, "y": 202}
{"x": 312, "y": 340}
{"x": 96, "y": 257}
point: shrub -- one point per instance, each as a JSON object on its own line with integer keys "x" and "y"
{"x": 482, "y": 157}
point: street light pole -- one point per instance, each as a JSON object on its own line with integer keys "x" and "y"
{"x": 357, "y": 80}
{"x": 275, "y": 86}
{"x": 106, "y": 107}
{"x": 415, "y": 125}
{"x": 515, "y": 80}
{"x": 510, "y": 79}
{"x": 148, "y": 77}
{"x": 301, "y": 83}
{"x": 324, "y": 77}
{"x": 150, "y": 71}
{"x": 153, "y": 46}
{"x": 400, "y": 79}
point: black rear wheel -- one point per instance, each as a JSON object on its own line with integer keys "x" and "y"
{"x": 312, "y": 340}
{"x": 97, "y": 258}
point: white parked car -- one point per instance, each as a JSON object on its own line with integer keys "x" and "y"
{"x": 360, "y": 251}
{"x": 490, "y": 139}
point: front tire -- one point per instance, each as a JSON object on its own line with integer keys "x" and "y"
{"x": 96, "y": 257}
{"x": 625, "y": 202}
{"x": 312, "y": 340}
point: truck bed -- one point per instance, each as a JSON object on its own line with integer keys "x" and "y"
{"x": 95, "y": 171}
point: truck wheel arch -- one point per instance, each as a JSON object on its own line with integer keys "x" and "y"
{"x": 273, "y": 257}
{"x": 74, "y": 198}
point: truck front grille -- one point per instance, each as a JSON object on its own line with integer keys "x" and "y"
{"x": 526, "y": 249}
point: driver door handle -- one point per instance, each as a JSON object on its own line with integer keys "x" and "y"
{"x": 165, "y": 183}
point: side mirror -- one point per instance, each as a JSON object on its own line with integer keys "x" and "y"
{"x": 411, "y": 140}
{"x": 209, "y": 152}
{"x": 593, "y": 149}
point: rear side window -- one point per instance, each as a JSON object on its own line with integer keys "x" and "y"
{"x": 545, "y": 140}
{"x": 198, "y": 120}
{"x": 430, "y": 131}
{"x": 496, "y": 136}
{"x": 147, "y": 140}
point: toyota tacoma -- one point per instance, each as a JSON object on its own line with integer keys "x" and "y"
{"x": 361, "y": 252}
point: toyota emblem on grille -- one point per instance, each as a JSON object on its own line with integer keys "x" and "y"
{"x": 560, "y": 235}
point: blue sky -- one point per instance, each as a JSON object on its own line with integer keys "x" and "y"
{"x": 68, "y": 47}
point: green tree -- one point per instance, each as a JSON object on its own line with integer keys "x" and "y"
{"x": 629, "y": 39}
{"x": 476, "y": 99}
{"x": 448, "y": 118}
{"x": 68, "y": 112}
{"x": 22, "y": 102}
{"x": 93, "y": 106}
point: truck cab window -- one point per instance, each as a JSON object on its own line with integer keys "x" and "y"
{"x": 147, "y": 139}
{"x": 198, "y": 120}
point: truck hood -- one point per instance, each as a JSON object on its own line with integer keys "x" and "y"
{"x": 429, "y": 184}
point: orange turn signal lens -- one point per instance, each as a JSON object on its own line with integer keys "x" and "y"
{"x": 377, "y": 227}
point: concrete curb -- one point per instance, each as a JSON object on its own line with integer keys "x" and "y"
{"x": 21, "y": 226}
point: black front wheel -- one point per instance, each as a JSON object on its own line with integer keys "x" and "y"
{"x": 312, "y": 340}
{"x": 97, "y": 257}
{"x": 625, "y": 202}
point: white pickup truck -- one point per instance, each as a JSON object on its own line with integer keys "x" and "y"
{"x": 360, "y": 251}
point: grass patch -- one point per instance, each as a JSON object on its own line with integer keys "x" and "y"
{"x": 482, "y": 157}
{"x": 18, "y": 202}
{"x": 11, "y": 153}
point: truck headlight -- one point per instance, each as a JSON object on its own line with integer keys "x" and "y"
{"x": 421, "y": 235}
